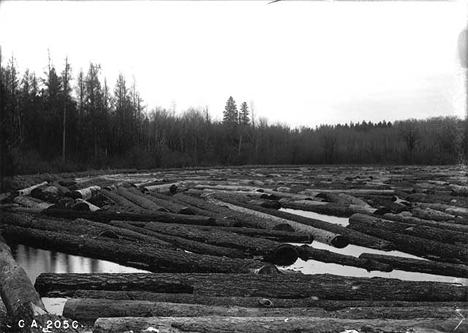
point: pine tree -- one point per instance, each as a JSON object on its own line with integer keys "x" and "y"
{"x": 244, "y": 118}
{"x": 230, "y": 115}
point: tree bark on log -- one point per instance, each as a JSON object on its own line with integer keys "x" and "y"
{"x": 435, "y": 234}
{"x": 144, "y": 256}
{"x": 107, "y": 216}
{"x": 420, "y": 266}
{"x": 183, "y": 243}
{"x": 432, "y": 214}
{"x": 28, "y": 203}
{"x": 169, "y": 203}
{"x": 317, "y": 207}
{"x": 356, "y": 238}
{"x": 418, "y": 246}
{"x": 85, "y": 193}
{"x": 306, "y": 253}
{"x": 123, "y": 202}
{"x": 433, "y": 224}
{"x": 27, "y": 190}
{"x": 88, "y": 310}
{"x": 162, "y": 188}
{"x": 319, "y": 235}
{"x": 81, "y": 227}
{"x": 256, "y": 302}
{"x": 272, "y": 324}
{"x": 322, "y": 286}
{"x": 21, "y": 300}
{"x": 140, "y": 200}
{"x": 245, "y": 220}
{"x": 275, "y": 252}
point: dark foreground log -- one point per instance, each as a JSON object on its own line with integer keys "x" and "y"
{"x": 22, "y": 302}
{"x": 414, "y": 245}
{"x": 323, "y": 286}
{"x": 420, "y": 266}
{"x": 307, "y": 252}
{"x": 106, "y": 216}
{"x": 257, "y": 302}
{"x": 275, "y": 252}
{"x": 272, "y": 324}
{"x": 144, "y": 256}
{"x": 88, "y": 310}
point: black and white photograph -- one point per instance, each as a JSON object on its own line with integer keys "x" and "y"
{"x": 207, "y": 166}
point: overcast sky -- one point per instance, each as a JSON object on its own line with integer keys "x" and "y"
{"x": 300, "y": 62}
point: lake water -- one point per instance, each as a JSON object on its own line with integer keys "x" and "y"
{"x": 37, "y": 261}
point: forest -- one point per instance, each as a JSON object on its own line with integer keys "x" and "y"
{"x": 62, "y": 122}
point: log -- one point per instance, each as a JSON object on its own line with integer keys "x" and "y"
{"x": 256, "y": 302}
{"x": 420, "y": 266}
{"x": 162, "y": 188}
{"x": 306, "y": 253}
{"x": 431, "y": 214}
{"x": 415, "y": 245}
{"x": 143, "y": 256}
{"x": 275, "y": 252}
{"x": 185, "y": 244}
{"x": 321, "y": 286}
{"x": 22, "y": 302}
{"x": 317, "y": 207}
{"x": 433, "y": 224}
{"x": 271, "y": 324}
{"x": 354, "y": 192}
{"x": 80, "y": 227}
{"x": 140, "y": 200}
{"x": 88, "y": 310}
{"x": 81, "y": 204}
{"x": 277, "y": 235}
{"x": 354, "y": 237}
{"x": 394, "y": 207}
{"x": 27, "y": 202}
{"x": 435, "y": 234}
{"x": 107, "y": 216}
{"x": 27, "y": 190}
{"x": 121, "y": 201}
{"x": 245, "y": 220}
{"x": 85, "y": 193}
{"x": 319, "y": 235}
{"x": 169, "y": 203}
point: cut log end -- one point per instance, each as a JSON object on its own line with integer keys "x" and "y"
{"x": 284, "y": 255}
{"x": 340, "y": 241}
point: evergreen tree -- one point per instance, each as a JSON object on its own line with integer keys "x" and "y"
{"x": 244, "y": 118}
{"x": 231, "y": 115}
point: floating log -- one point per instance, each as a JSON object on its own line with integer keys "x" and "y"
{"x": 275, "y": 252}
{"x": 107, "y": 216}
{"x": 354, "y": 192}
{"x": 162, "y": 188}
{"x": 420, "y": 266}
{"x": 29, "y": 203}
{"x": 321, "y": 286}
{"x": 27, "y": 190}
{"x": 307, "y": 252}
{"x": 144, "y": 256}
{"x": 88, "y": 310}
{"x": 85, "y": 193}
{"x": 185, "y": 244}
{"x": 415, "y": 245}
{"x": 169, "y": 203}
{"x": 354, "y": 237}
{"x": 216, "y": 324}
{"x": 257, "y": 302}
{"x": 80, "y": 227}
{"x": 121, "y": 201}
{"x": 244, "y": 220}
{"x": 81, "y": 204}
{"x": 278, "y": 235}
{"x": 390, "y": 205}
{"x": 22, "y": 302}
{"x": 434, "y": 224}
{"x": 319, "y": 235}
{"x": 317, "y": 207}
{"x": 431, "y": 214}
{"x": 435, "y": 234}
{"x": 138, "y": 198}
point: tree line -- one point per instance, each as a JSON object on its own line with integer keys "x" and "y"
{"x": 65, "y": 122}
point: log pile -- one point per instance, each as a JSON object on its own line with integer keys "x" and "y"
{"x": 212, "y": 238}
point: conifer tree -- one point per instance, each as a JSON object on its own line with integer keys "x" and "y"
{"x": 244, "y": 118}
{"x": 230, "y": 115}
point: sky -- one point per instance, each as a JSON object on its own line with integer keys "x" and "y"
{"x": 300, "y": 63}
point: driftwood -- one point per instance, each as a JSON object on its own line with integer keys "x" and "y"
{"x": 257, "y": 302}
{"x": 23, "y": 303}
{"x": 143, "y": 256}
{"x": 356, "y": 238}
{"x": 307, "y": 252}
{"x": 322, "y": 286}
{"x": 86, "y": 310}
{"x": 319, "y": 235}
{"x": 414, "y": 245}
{"x": 278, "y": 253}
{"x": 421, "y": 266}
{"x": 435, "y": 234}
{"x": 272, "y": 324}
